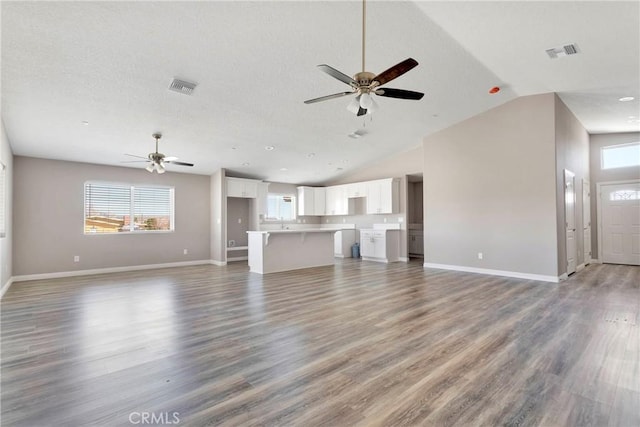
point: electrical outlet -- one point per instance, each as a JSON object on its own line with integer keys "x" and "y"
{"x": 232, "y": 243}
{"x": 480, "y": 255}
{"x": 239, "y": 220}
{"x": 385, "y": 219}
{"x": 185, "y": 251}
{"x": 76, "y": 258}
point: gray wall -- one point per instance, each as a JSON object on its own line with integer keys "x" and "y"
{"x": 572, "y": 153}
{"x": 238, "y": 214}
{"x": 599, "y": 175}
{"x": 49, "y": 211}
{"x": 490, "y": 187}
{"x": 6, "y": 247}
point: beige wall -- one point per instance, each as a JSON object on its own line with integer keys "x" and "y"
{"x": 490, "y": 187}
{"x": 49, "y": 212}
{"x": 598, "y": 175}
{"x": 572, "y": 153}
{"x": 6, "y": 247}
{"x": 238, "y": 214}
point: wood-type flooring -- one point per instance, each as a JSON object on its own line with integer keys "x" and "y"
{"x": 358, "y": 343}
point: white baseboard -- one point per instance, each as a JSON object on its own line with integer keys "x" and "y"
{"x": 238, "y": 258}
{"x": 563, "y": 277}
{"x": 6, "y": 287}
{"x": 403, "y": 259}
{"x": 580, "y": 267}
{"x": 60, "y": 274}
{"x": 514, "y": 274}
{"x": 595, "y": 261}
{"x": 218, "y": 263}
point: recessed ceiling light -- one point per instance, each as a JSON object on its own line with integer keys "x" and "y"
{"x": 86, "y": 123}
{"x": 246, "y": 164}
{"x": 284, "y": 169}
{"x": 345, "y": 161}
{"x": 234, "y": 148}
{"x": 626, "y": 99}
{"x": 310, "y": 155}
{"x": 339, "y": 169}
{"x": 269, "y": 148}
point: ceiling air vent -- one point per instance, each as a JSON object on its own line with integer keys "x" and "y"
{"x": 566, "y": 50}
{"x": 181, "y": 86}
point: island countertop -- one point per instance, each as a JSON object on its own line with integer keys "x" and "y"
{"x": 300, "y": 230}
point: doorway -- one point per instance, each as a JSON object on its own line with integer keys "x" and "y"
{"x": 619, "y": 222}
{"x": 570, "y": 220}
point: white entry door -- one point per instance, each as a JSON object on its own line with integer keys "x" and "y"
{"x": 620, "y": 223}
{"x": 586, "y": 220}
{"x": 570, "y": 220}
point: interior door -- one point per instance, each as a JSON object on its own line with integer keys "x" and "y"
{"x": 620, "y": 223}
{"x": 570, "y": 220}
{"x": 586, "y": 220}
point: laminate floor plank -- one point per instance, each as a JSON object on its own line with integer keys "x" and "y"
{"x": 357, "y": 343}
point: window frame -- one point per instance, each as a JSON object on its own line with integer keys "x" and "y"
{"x": 132, "y": 206}
{"x": 294, "y": 208}
{"x": 610, "y": 147}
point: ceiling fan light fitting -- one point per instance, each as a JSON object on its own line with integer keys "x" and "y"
{"x": 366, "y": 101}
{"x": 150, "y": 168}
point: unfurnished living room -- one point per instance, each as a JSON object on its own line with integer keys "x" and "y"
{"x": 305, "y": 213}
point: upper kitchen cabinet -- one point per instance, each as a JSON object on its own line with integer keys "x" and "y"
{"x": 311, "y": 201}
{"x": 383, "y": 196}
{"x": 240, "y": 187}
{"x": 356, "y": 189}
{"x": 337, "y": 202}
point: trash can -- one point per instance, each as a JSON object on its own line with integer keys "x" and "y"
{"x": 355, "y": 250}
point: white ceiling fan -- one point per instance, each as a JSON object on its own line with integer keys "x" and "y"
{"x": 365, "y": 83}
{"x": 156, "y": 160}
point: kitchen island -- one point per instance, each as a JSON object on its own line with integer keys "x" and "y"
{"x": 283, "y": 250}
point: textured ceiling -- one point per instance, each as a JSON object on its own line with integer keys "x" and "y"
{"x": 110, "y": 63}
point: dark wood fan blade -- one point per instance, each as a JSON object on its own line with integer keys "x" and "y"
{"x": 399, "y": 93}
{"x": 395, "y": 71}
{"x": 324, "y": 98}
{"x": 338, "y": 75}
{"x": 133, "y": 155}
{"x": 361, "y": 112}
{"x": 173, "y": 162}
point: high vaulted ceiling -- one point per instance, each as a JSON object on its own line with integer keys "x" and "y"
{"x": 109, "y": 64}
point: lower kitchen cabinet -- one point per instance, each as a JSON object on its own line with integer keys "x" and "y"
{"x": 380, "y": 245}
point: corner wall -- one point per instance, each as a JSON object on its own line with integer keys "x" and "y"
{"x": 49, "y": 213}
{"x": 489, "y": 186}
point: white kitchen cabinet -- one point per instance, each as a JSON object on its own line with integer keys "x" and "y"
{"x": 311, "y": 201}
{"x": 380, "y": 245}
{"x": 416, "y": 242}
{"x": 356, "y": 189}
{"x": 337, "y": 202}
{"x": 240, "y": 187}
{"x": 383, "y": 196}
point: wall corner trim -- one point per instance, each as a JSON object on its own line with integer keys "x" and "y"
{"x": 513, "y": 274}
{"x": 6, "y": 286}
{"x": 56, "y": 275}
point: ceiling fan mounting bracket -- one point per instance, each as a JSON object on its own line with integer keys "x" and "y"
{"x": 157, "y": 135}
{"x": 364, "y": 78}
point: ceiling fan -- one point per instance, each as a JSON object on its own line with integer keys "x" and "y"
{"x": 157, "y": 160}
{"x": 364, "y": 84}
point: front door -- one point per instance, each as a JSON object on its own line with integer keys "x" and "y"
{"x": 620, "y": 223}
{"x": 570, "y": 220}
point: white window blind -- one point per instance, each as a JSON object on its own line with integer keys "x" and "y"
{"x": 118, "y": 208}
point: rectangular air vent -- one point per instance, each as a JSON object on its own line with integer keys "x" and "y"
{"x": 566, "y": 50}
{"x": 181, "y": 86}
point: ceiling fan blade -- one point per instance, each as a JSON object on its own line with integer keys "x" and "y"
{"x": 133, "y": 155}
{"x": 134, "y": 161}
{"x": 173, "y": 162}
{"x": 395, "y": 71}
{"x": 361, "y": 112}
{"x": 338, "y": 75}
{"x": 399, "y": 93}
{"x": 324, "y": 98}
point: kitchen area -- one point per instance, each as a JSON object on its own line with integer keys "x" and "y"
{"x": 280, "y": 227}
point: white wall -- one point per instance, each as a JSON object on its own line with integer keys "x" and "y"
{"x": 49, "y": 213}
{"x": 218, "y": 206}
{"x": 6, "y": 247}
{"x": 490, "y": 187}
{"x": 599, "y": 175}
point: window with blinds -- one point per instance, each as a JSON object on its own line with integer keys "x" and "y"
{"x": 281, "y": 207}
{"x": 119, "y": 208}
